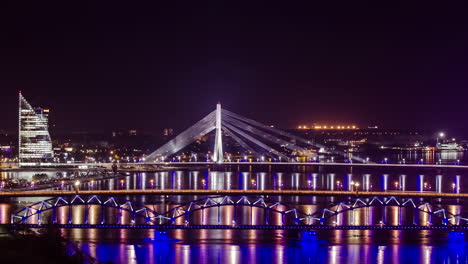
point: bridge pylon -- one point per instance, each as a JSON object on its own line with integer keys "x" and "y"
{"x": 218, "y": 146}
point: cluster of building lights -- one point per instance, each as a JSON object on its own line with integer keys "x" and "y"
{"x": 327, "y": 127}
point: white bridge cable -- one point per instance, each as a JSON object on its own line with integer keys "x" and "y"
{"x": 239, "y": 141}
{"x": 267, "y": 153}
{"x": 260, "y": 144}
{"x": 274, "y": 130}
{"x": 286, "y": 134}
{"x": 190, "y": 135}
{"x": 263, "y": 134}
{"x": 233, "y": 124}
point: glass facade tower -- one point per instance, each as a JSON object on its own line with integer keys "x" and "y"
{"x": 35, "y": 144}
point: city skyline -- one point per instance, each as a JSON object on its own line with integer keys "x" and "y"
{"x": 309, "y": 125}
{"x": 165, "y": 66}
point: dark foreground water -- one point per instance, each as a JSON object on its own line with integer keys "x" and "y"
{"x": 279, "y": 252}
{"x": 225, "y": 246}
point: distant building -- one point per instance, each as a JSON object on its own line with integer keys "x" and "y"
{"x": 35, "y": 144}
{"x": 132, "y": 132}
{"x": 168, "y": 132}
{"x": 117, "y": 133}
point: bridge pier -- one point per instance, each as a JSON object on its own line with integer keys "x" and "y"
{"x": 331, "y": 181}
{"x": 402, "y": 181}
{"x": 457, "y": 183}
{"x": 420, "y": 184}
{"x": 347, "y": 182}
{"x": 244, "y": 179}
{"x": 295, "y": 181}
{"x": 384, "y": 182}
{"x": 438, "y": 183}
{"x": 314, "y": 181}
{"x": 366, "y": 182}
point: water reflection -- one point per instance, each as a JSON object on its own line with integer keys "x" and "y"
{"x": 276, "y": 252}
{"x": 297, "y": 179}
{"x": 218, "y": 180}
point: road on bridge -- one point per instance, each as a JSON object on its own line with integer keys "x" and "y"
{"x": 234, "y": 193}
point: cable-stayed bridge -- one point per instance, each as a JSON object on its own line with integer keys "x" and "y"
{"x": 253, "y": 137}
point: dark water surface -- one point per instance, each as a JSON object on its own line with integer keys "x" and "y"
{"x": 342, "y": 247}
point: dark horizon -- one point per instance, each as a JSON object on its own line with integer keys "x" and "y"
{"x": 101, "y": 67}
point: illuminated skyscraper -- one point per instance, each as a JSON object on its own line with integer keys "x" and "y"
{"x": 35, "y": 144}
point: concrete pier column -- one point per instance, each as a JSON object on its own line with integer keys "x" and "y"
{"x": 439, "y": 183}
{"x": 402, "y": 181}
{"x": 178, "y": 180}
{"x": 347, "y": 182}
{"x": 295, "y": 181}
{"x": 314, "y": 181}
{"x": 245, "y": 181}
{"x": 420, "y": 185}
{"x": 111, "y": 184}
{"x": 194, "y": 180}
{"x": 457, "y": 183}
{"x": 261, "y": 179}
{"x": 228, "y": 180}
{"x": 331, "y": 181}
{"x": 157, "y": 178}
{"x": 384, "y": 182}
{"x": 164, "y": 179}
{"x": 366, "y": 182}
{"x": 127, "y": 183}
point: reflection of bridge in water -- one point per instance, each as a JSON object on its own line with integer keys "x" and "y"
{"x": 242, "y": 212}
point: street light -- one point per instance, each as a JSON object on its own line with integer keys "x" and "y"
{"x": 356, "y": 184}
{"x": 441, "y": 135}
{"x": 77, "y": 186}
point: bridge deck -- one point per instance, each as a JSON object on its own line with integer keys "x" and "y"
{"x": 310, "y": 164}
{"x": 245, "y": 227}
{"x": 235, "y": 193}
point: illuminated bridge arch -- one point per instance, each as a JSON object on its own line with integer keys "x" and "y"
{"x": 326, "y": 215}
{"x": 237, "y": 211}
{"x": 44, "y": 211}
{"x": 284, "y": 213}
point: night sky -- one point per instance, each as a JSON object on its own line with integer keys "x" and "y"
{"x": 119, "y": 66}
